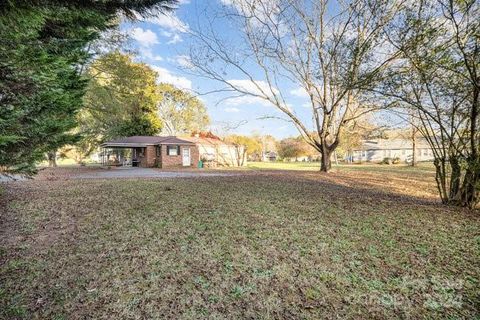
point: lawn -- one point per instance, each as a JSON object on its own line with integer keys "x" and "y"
{"x": 356, "y": 243}
{"x": 421, "y": 168}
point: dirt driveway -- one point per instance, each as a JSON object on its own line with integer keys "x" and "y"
{"x": 143, "y": 173}
{"x": 122, "y": 173}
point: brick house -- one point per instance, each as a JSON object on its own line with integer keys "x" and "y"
{"x": 167, "y": 152}
{"x": 150, "y": 151}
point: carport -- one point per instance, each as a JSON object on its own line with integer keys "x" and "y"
{"x": 129, "y": 151}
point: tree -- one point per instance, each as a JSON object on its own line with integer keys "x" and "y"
{"x": 121, "y": 100}
{"x": 293, "y": 148}
{"x": 355, "y": 133}
{"x": 43, "y": 46}
{"x": 180, "y": 111}
{"x": 243, "y": 145}
{"x": 329, "y": 55}
{"x": 437, "y": 81}
{"x": 268, "y": 144}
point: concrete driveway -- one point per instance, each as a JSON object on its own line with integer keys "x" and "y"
{"x": 145, "y": 173}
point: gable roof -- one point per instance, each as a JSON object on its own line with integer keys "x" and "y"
{"x": 143, "y": 141}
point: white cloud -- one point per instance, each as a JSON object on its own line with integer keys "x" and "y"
{"x": 251, "y": 88}
{"x": 166, "y": 33}
{"x": 145, "y": 37}
{"x": 262, "y": 10}
{"x": 299, "y": 92}
{"x": 148, "y": 54}
{"x": 175, "y": 39}
{"x": 231, "y": 110}
{"x": 182, "y": 61}
{"x": 165, "y": 76}
{"x": 172, "y": 26}
{"x": 245, "y": 100}
{"x": 256, "y": 87}
{"x": 170, "y": 22}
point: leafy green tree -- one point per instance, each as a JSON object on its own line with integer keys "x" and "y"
{"x": 244, "y": 145}
{"x": 294, "y": 148}
{"x": 355, "y": 133}
{"x": 43, "y": 46}
{"x": 120, "y": 100}
{"x": 180, "y": 111}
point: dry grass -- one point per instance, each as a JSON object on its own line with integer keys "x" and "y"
{"x": 269, "y": 245}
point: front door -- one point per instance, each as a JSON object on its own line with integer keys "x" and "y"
{"x": 186, "y": 157}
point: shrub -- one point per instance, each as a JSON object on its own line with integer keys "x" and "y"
{"x": 387, "y": 160}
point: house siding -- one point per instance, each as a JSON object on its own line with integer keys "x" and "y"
{"x": 150, "y": 156}
{"x": 171, "y": 162}
{"x": 378, "y": 150}
{"x": 423, "y": 154}
{"x": 222, "y": 155}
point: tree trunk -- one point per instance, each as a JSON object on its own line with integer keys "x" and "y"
{"x": 440, "y": 178}
{"x": 326, "y": 162}
{"x": 414, "y": 148}
{"x": 455, "y": 178}
{"x": 52, "y": 158}
{"x": 469, "y": 192}
{"x": 471, "y": 183}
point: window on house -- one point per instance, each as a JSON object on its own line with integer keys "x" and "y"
{"x": 158, "y": 151}
{"x": 173, "y": 150}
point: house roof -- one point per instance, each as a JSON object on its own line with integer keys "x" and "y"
{"x": 391, "y": 144}
{"x": 143, "y": 141}
{"x": 207, "y": 141}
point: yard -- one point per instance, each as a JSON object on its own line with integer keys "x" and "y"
{"x": 361, "y": 242}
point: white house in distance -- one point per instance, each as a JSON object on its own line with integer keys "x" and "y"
{"x": 377, "y": 150}
{"x": 215, "y": 152}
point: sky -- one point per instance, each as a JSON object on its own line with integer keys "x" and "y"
{"x": 163, "y": 43}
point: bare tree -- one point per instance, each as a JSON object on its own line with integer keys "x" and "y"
{"x": 331, "y": 49}
{"x": 437, "y": 80}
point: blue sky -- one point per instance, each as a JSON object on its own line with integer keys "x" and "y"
{"x": 163, "y": 43}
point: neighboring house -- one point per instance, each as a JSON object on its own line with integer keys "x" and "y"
{"x": 215, "y": 152}
{"x": 377, "y": 150}
{"x": 165, "y": 152}
{"x": 269, "y": 156}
